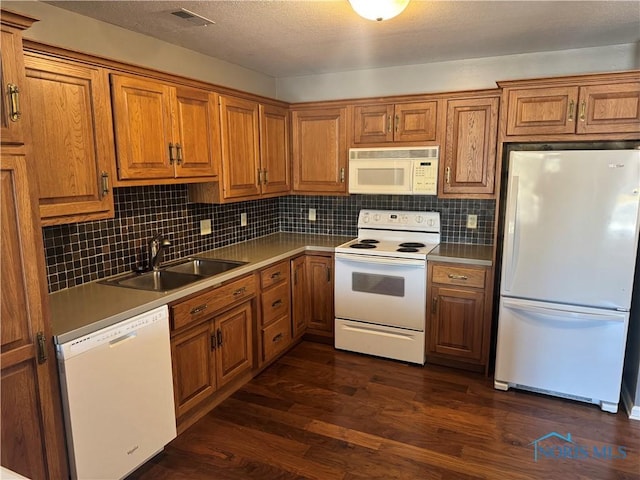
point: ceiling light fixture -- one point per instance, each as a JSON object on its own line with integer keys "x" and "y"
{"x": 378, "y": 10}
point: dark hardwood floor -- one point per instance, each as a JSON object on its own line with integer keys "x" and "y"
{"x": 324, "y": 414}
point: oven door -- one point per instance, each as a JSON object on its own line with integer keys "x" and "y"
{"x": 381, "y": 290}
{"x": 381, "y": 176}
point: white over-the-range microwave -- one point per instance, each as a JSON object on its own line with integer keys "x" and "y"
{"x": 394, "y": 170}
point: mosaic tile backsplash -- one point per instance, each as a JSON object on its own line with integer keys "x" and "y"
{"x": 83, "y": 252}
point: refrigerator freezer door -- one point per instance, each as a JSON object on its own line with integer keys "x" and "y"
{"x": 568, "y": 351}
{"x": 571, "y": 227}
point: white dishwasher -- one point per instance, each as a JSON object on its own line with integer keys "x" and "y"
{"x": 117, "y": 393}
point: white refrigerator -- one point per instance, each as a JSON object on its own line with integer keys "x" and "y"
{"x": 570, "y": 242}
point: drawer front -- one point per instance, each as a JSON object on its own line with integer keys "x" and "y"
{"x": 470, "y": 277}
{"x": 274, "y": 274}
{"x": 275, "y": 338}
{"x": 276, "y": 303}
{"x": 204, "y": 305}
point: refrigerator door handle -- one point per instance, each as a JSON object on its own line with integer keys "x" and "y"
{"x": 564, "y": 315}
{"x": 511, "y": 248}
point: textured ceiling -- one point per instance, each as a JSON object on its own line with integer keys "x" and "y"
{"x": 300, "y": 37}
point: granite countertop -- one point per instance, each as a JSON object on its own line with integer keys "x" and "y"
{"x": 462, "y": 253}
{"x": 89, "y": 307}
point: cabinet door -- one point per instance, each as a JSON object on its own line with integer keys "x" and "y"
{"x": 31, "y": 415}
{"x": 240, "y": 148}
{"x": 72, "y": 139}
{"x": 12, "y": 85}
{"x": 194, "y": 368}
{"x": 235, "y": 342}
{"x": 320, "y": 276}
{"x": 320, "y": 150}
{"x": 415, "y": 122}
{"x": 143, "y": 128}
{"x": 469, "y": 157}
{"x": 611, "y": 108}
{"x": 540, "y": 111}
{"x": 372, "y": 124}
{"x": 274, "y": 149}
{"x": 299, "y": 296}
{"x": 197, "y": 152}
{"x": 457, "y": 322}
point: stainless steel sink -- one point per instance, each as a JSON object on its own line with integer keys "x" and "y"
{"x": 204, "y": 267}
{"x": 174, "y": 275}
{"x": 156, "y": 281}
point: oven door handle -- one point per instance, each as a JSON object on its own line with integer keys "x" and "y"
{"x": 394, "y": 261}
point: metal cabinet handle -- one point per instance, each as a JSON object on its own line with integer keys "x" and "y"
{"x": 265, "y": 176}
{"x": 277, "y": 338}
{"x": 389, "y": 124}
{"x": 219, "y": 335}
{"x": 104, "y": 178}
{"x": 448, "y": 175}
{"x": 458, "y": 277}
{"x": 178, "y": 153}
{"x": 275, "y": 275}
{"x": 239, "y": 291}
{"x": 276, "y": 304}
{"x": 583, "y": 110}
{"x": 42, "y": 347}
{"x": 571, "y": 111}
{"x": 14, "y": 102}
{"x": 397, "y": 122}
{"x": 213, "y": 341}
{"x": 434, "y": 305}
{"x": 342, "y": 175}
{"x": 198, "y": 309}
{"x": 259, "y": 177}
{"x": 328, "y": 274}
{"x": 171, "y": 157}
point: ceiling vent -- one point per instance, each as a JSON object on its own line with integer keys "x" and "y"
{"x": 193, "y": 18}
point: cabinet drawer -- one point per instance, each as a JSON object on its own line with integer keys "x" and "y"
{"x": 276, "y": 303}
{"x": 275, "y": 338}
{"x": 211, "y": 301}
{"x": 274, "y": 274}
{"x": 471, "y": 277}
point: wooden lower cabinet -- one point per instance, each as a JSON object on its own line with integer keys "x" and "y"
{"x": 319, "y": 273}
{"x": 459, "y": 306}
{"x": 212, "y": 345}
{"x": 299, "y": 295}
{"x": 31, "y": 415}
{"x": 275, "y": 331}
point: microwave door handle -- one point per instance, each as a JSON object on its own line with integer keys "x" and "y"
{"x": 405, "y": 262}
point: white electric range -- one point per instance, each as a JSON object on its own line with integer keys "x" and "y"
{"x": 381, "y": 284}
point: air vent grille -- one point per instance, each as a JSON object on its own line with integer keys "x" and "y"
{"x": 410, "y": 153}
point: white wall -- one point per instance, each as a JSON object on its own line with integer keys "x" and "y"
{"x": 76, "y": 32}
{"x": 450, "y": 76}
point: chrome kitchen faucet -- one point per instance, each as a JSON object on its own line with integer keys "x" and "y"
{"x": 156, "y": 250}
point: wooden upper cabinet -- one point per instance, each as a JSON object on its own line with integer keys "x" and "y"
{"x": 402, "y": 122}
{"x": 198, "y": 136}
{"x": 162, "y": 131}
{"x": 587, "y": 105}
{"x": 31, "y": 415}
{"x": 12, "y": 78}
{"x": 71, "y": 130}
{"x": 320, "y": 150}
{"x": 274, "y": 149}
{"x": 468, "y": 163}
{"x": 240, "y": 147}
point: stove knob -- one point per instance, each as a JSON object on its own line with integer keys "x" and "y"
{"x": 431, "y": 222}
{"x": 365, "y": 219}
{"x": 376, "y": 218}
{"x": 404, "y": 219}
{"x": 419, "y": 219}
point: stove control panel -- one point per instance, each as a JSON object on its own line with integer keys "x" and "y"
{"x": 399, "y": 220}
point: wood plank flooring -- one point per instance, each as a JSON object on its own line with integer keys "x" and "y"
{"x": 323, "y": 414}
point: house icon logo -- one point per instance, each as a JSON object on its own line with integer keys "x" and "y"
{"x": 556, "y": 446}
{"x": 537, "y": 443}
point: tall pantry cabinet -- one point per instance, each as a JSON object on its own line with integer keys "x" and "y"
{"x": 31, "y": 415}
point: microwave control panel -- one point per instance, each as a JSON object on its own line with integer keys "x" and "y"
{"x": 425, "y": 177}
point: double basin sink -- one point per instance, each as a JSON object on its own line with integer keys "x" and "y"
{"x": 174, "y": 275}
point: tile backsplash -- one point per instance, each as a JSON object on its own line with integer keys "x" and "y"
{"x": 83, "y": 252}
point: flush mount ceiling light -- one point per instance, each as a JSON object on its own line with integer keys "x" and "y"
{"x": 378, "y": 10}
{"x": 192, "y": 17}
